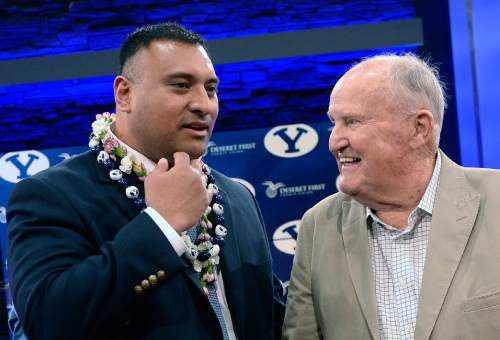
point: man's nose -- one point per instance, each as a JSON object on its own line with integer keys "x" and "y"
{"x": 201, "y": 102}
{"x": 338, "y": 139}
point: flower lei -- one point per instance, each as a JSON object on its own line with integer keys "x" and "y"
{"x": 204, "y": 251}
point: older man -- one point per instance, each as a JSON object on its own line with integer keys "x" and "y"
{"x": 133, "y": 239}
{"x": 409, "y": 248}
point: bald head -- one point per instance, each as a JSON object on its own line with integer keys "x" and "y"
{"x": 411, "y": 83}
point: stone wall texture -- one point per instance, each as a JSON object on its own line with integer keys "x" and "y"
{"x": 252, "y": 94}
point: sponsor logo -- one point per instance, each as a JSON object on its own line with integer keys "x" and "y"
{"x": 290, "y": 141}
{"x": 272, "y": 188}
{"x": 245, "y": 183}
{"x": 279, "y": 188}
{"x": 285, "y": 237}
{"x": 15, "y": 166}
{"x": 220, "y": 150}
{"x": 3, "y": 215}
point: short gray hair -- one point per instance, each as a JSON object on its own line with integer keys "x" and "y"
{"x": 415, "y": 81}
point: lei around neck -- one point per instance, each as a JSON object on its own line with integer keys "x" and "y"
{"x": 204, "y": 250}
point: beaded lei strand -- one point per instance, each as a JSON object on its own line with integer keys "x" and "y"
{"x": 210, "y": 232}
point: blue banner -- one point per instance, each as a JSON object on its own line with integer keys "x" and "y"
{"x": 288, "y": 168}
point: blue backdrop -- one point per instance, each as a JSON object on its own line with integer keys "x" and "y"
{"x": 287, "y": 167}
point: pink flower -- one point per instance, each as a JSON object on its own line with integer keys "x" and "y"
{"x": 208, "y": 277}
{"x": 109, "y": 144}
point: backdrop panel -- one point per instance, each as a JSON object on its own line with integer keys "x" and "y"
{"x": 288, "y": 168}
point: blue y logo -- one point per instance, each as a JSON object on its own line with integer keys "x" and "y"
{"x": 15, "y": 166}
{"x": 292, "y": 230}
{"x": 291, "y": 143}
{"x": 285, "y": 237}
{"x": 279, "y": 142}
{"x": 23, "y": 168}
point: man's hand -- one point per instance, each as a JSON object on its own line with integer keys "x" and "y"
{"x": 178, "y": 194}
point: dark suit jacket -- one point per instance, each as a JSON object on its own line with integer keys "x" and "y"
{"x": 77, "y": 247}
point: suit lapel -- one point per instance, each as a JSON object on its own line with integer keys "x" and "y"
{"x": 355, "y": 236}
{"x": 453, "y": 217}
{"x": 231, "y": 269}
{"x": 117, "y": 195}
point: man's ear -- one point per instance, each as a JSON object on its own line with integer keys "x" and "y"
{"x": 423, "y": 128}
{"x": 122, "y": 90}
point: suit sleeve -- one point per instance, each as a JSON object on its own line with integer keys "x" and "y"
{"x": 300, "y": 318}
{"x": 66, "y": 284}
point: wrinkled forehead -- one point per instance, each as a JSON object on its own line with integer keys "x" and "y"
{"x": 364, "y": 88}
{"x": 366, "y": 79}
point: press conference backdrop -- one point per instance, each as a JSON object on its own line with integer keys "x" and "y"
{"x": 288, "y": 168}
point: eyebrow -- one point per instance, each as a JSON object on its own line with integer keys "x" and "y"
{"x": 190, "y": 77}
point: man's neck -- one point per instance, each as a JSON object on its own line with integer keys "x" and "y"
{"x": 395, "y": 207}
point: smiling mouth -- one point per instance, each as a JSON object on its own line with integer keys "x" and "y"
{"x": 348, "y": 161}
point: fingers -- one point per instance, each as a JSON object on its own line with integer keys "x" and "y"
{"x": 204, "y": 180}
{"x": 196, "y": 163}
{"x": 181, "y": 158}
{"x": 162, "y": 166}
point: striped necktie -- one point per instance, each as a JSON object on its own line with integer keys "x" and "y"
{"x": 212, "y": 292}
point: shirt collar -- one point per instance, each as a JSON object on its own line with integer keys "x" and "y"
{"x": 138, "y": 157}
{"x": 427, "y": 201}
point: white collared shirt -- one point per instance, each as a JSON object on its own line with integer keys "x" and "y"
{"x": 175, "y": 239}
{"x": 398, "y": 259}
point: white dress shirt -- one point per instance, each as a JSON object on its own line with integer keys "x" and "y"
{"x": 398, "y": 258}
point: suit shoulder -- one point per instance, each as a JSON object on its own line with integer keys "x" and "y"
{"x": 331, "y": 206}
{"x": 482, "y": 173}
{"x": 228, "y": 184}
{"x": 484, "y": 181}
{"x": 69, "y": 171}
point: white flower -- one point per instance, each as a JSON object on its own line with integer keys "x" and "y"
{"x": 126, "y": 164}
{"x": 187, "y": 240}
{"x": 214, "y": 251}
{"x": 205, "y": 246}
{"x": 93, "y": 142}
{"x": 100, "y": 128}
{"x": 197, "y": 265}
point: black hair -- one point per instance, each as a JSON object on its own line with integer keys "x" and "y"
{"x": 143, "y": 36}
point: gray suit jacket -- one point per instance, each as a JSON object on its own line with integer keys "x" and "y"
{"x": 332, "y": 294}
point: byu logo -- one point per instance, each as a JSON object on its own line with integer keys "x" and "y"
{"x": 3, "y": 215}
{"x": 289, "y": 141}
{"x": 15, "y": 166}
{"x": 285, "y": 237}
{"x": 272, "y": 188}
{"x": 245, "y": 183}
